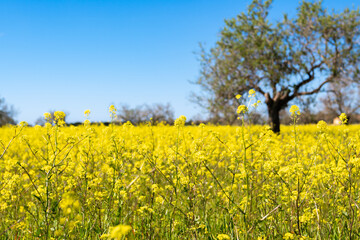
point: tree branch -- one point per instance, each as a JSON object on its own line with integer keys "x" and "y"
{"x": 311, "y": 77}
{"x": 258, "y": 89}
{"x": 316, "y": 90}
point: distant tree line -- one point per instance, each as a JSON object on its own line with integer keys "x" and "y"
{"x": 155, "y": 113}
{"x": 341, "y": 98}
{"x": 141, "y": 114}
{"x": 7, "y": 113}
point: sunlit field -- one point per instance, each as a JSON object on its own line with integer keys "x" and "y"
{"x": 179, "y": 182}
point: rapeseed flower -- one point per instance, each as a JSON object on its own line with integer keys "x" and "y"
{"x": 252, "y": 93}
{"x": 119, "y": 231}
{"x": 59, "y": 118}
{"x": 242, "y": 109}
{"x": 288, "y": 236}
{"x": 294, "y": 110}
{"x": 322, "y": 125}
{"x": 47, "y": 116}
{"x": 59, "y": 115}
{"x": 112, "y": 109}
{"x": 343, "y": 118}
{"x": 223, "y": 237}
{"x": 65, "y": 180}
{"x": 87, "y": 113}
{"x": 180, "y": 121}
{"x": 23, "y": 124}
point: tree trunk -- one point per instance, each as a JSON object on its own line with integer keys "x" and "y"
{"x": 274, "y": 118}
{"x": 274, "y": 105}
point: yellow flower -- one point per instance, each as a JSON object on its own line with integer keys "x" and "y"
{"x": 87, "y": 113}
{"x": 59, "y": 115}
{"x": 58, "y": 233}
{"x": 294, "y": 110}
{"x": 223, "y": 237}
{"x": 238, "y": 96}
{"x": 241, "y": 109}
{"x": 119, "y": 231}
{"x": 180, "y": 121}
{"x": 252, "y": 92}
{"x": 47, "y": 116}
{"x": 159, "y": 200}
{"x": 255, "y": 105}
{"x": 288, "y": 236}
{"x": 322, "y": 125}
{"x": 87, "y": 122}
{"x": 47, "y": 168}
{"x": 112, "y": 109}
{"x": 68, "y": 203}
{"x": 343, "y": 118}
{"x": 23, "y": 124}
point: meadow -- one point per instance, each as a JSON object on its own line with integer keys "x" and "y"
{"x": 179, "y": 182}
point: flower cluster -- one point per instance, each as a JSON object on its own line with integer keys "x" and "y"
{"x": 164, "y": 182}
{"x": 343, "y": 118}
{"x": 241, "y": 109}
{"x": 180, "y": 121}
{"x": 294, "y": 110}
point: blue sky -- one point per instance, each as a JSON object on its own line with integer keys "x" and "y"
{"x": 78, "y": 55}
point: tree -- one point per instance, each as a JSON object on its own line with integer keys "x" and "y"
{"x": 156, "y": 113}
{"x": 160, "y": 113}
{"x": 342, "y": 98}
{"x": 7, "y": 113}
{"x": 281, "y": 61}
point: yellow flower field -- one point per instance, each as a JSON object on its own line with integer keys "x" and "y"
{"x": 179, "y": 182}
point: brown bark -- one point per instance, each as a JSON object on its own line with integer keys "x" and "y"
{"x": 274, "y": 105}
{"x": 274, "y": 117}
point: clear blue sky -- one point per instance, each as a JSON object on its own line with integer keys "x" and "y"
{"x": 74, "y": 55}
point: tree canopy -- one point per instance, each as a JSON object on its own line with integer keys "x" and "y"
{"x": 290, "y": 58}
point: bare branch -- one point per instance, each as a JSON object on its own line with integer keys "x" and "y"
{"x": 311, "y": 76}
{"x": 316, "y": 90}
